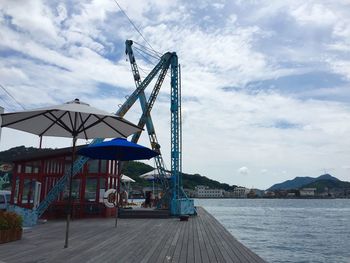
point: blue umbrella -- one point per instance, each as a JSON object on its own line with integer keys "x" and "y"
{"x": 118, "y": 149}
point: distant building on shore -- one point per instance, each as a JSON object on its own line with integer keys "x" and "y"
{"x": 240, "y": 192}
{"x": 202, "y": 191}
{"x": 307, "y": 192}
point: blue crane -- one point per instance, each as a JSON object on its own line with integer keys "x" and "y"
{"x": 174, "y": 196}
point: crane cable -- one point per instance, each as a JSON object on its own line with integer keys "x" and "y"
{"x": 156, "y": 53}
{"x": 147, "y": 53}
{"x": 12, "y": 97}
{"x": 135, "y": 27}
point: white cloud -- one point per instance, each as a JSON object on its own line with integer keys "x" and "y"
{"x": 314, "y": 13}
{"x": 243, "y": 170}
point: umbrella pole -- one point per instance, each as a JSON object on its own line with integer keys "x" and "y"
{"x": 41, "y": 142}
{"x": 118, "y": 193}
{"x": 69, "y": 210}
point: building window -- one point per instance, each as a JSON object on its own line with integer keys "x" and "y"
{"x": 93, "y": 166}
{"x": 27, "y": 191}
{"x": 103, "y": 166}
{"x": 28, "y": 169}
{"x": 90, "y": 189}
{"x": 102, "y": 188}
{"x": 75, "y": 190}
{"x": 16, "y": 191}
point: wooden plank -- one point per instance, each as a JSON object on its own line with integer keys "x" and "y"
{"x": 190, "y": 246}
{"x": 166, "y": 254}
{"x": 213, "y": 243}
{"x": 217, "y": 237}
{"x": 165, "y": 240}
{"x": 238, "y": 251}
{"x": 201, "y": 243}
{"x": 197, "y": 244}
{"x": 184, "y": 245}
{"x": 177, "y": 251}
{"x": 157, "y": 247}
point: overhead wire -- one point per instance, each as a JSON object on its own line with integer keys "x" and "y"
{"x": 145, "y": 58}
{"x": 12, "y": 97}
{"x": 135, "y": 27}
{"x": 147, "y": 53}
{"x": 156, "y": 53}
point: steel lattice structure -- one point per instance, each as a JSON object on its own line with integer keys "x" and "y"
{"x": 175, "y": 196}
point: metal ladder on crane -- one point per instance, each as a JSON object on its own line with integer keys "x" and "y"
{"x": 174, "y": 196}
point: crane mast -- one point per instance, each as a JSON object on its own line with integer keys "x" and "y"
{"x": 147, "y": 107}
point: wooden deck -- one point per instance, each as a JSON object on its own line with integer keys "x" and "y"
{"x": 201, "y": 239}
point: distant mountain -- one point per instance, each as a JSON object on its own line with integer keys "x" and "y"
{"x": 299, "y": 182}
{"x": 322, "y": 185}
{"x": 9, "y": 155}
{"x": 190, "y": 181}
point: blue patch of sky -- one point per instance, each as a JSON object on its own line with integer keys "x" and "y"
{"x": 72, "y": 7}
{"x": 304, "y": 86}
{"x": 9, "y": 24}
{"x": 116, "y": 42}
{"x": 106, "y": 90}
{"x": 284, "y": 125}
{"x": 280, "y": 32}
{"x": 185, "y": 99}
{"x": 280, "y": 124}
{"x": 207, "y": 16}
{"x": 9, "y": 53}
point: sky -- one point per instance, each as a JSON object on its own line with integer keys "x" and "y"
{"x": 265, "y": 84}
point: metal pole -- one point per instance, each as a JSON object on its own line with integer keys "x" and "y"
{"x": 118, "y": 192}
{"x": 41, "y": 142}
{"x": 1, "y": 112}
{"x": 69, "y": 210}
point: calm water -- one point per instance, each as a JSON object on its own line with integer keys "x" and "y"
{"x": 285, "y": 230}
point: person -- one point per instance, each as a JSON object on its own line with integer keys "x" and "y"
{"x": 148, "y": 199}
{"x": 152, "y": 200}
{"x": 124, "y": 198}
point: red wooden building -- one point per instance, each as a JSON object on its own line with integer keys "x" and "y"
{"x": 47, "y": 166}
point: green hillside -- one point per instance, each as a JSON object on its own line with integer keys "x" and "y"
{"x": 321, "y": 185}
{"x": 189, "y": 181}
{"x": 8, "y": 155}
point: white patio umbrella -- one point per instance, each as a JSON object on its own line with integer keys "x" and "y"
{"x": 154, "y": 174}
{"x": 73, "y": 119}
{"x": 126, "y": 179}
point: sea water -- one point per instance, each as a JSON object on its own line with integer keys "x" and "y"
{"x": 287, "y": 230}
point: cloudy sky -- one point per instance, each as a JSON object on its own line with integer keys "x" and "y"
{"x": 265, "y": 84}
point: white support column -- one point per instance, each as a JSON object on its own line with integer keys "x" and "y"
{"x": 1, "y": 112}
